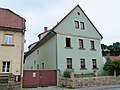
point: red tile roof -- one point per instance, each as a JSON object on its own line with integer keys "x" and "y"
{"x": 9, "y": 19}
{"x": 115, "y": 57}
{"x": 112, "y": 57}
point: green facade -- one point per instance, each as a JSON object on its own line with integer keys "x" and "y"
{"x": 54, "y": 53}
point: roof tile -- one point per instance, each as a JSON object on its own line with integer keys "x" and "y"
{"x": 10, "y": 19}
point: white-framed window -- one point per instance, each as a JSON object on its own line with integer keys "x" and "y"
{"x": 6, "y": 67}
{"x": 68, "y": 42}
{"x": 94, "y": 62}
{"x": 82, "y": 25}
{"x": 34, "y": 61}
{"x": 82, "y": 63}
{"x": 76, "y": 23}
{"x": 92, "y": 44}
{"x": 81, "y": 45}
{"x": 69, "y": 63}
{"x": 37, "y": 51}
{"x": 8, "y": 39}
{"x": 37, "y": 66}
{"x": 43, "y": 66}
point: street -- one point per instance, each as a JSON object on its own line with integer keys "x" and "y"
{"x": 106, "y": 87}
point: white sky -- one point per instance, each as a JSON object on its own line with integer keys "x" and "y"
{"x": 104, "y": 14}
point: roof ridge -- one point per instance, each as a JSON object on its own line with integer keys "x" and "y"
{"x": 12, "y": 12}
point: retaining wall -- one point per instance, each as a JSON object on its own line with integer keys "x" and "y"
{"x": 88, "y": 82}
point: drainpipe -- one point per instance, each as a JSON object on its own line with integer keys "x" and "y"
{"x": 56, "y": 54}
{"x": 22, "y": 56}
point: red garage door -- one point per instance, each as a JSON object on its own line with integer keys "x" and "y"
{"x": 36, "y": 78}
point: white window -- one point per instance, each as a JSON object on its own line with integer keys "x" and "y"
{"x": 82, "y": 25}
{"x": 8, "y": 39}
{"x": 6, "y": 67}
{"x": 69, "y": 63}
{"x": 68, "y": 42}
{"x": 92, "y": 43}
{"x": 76, "y": 24}
{"x": 37, "y": 66}
{"x": 81, "y": 43}
{"x": 43, "y": 66}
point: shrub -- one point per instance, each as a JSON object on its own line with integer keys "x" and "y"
{"x": 112, "y": 66}
{"x": 67, "y": 74}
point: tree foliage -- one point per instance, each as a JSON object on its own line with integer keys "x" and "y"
{"x": 112, "y": 50}
{"x": 112, "y": 66}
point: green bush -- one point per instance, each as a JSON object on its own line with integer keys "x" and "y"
{"x": 66, "y": 74}
{"x": 112, "y": 66}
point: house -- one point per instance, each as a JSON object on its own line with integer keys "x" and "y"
{"x": 12, "y": 31}
{"x": 112, "y": 58}
{"x": 73, "y": 44}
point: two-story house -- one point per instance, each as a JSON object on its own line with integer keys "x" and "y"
{"x": 73, "y": 44}
{"x": 12, "y": 30}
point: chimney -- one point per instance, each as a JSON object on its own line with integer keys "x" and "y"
{"x": 45, "y": 29}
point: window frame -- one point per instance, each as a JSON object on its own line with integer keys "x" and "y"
{"x": 76, "y": 24}
{"x": 38, "y": 52}
{"x": 82, "y": 25}
{"x": 43, "y": 66}
{"x": 69, "y": 63}
{"x": 8, "y": 39}
{"x": 81, "y": 44}
{"x": 68, "y": 43}
{"x": 92, "y": 45}
{"x": 94, "y": 64}
{"x": 38, "y": 66}
{"x": 82, "y": 63}
{"x": 5, "y": 67}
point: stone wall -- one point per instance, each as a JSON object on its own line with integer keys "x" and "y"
{"x": 11, "y": 84}
{"x": 88, "y": 82}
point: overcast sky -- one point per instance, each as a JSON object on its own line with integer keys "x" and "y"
{"x": 105, "y": 15}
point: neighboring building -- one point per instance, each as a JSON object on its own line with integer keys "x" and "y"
{"x": 12, "y": 30}
{"x": 110, "y": 58}
{"x": 73, "y": 44}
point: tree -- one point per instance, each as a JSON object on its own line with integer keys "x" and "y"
{"x": 112, "y": 50}
{"x": 112, "y": 66}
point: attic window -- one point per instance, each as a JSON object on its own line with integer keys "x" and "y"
{"x": 78, "y": 13}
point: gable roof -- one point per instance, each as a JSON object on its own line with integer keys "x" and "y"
{"x": 83, "y": 13}
{"x": 52, "y": 32}
{"x": 9, "y": 19}
{"x": 41, "y": 42}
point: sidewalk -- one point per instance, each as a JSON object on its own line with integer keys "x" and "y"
{"x": 101, "y": 87}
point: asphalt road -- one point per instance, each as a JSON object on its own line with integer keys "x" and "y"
{"x": 106, "y": 87}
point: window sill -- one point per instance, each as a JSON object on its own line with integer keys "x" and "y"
{"x": 77, "y": 27}
{"x": 81, "y": 48}
{"x": 69, "y": 47}
{"x": 93, "y": 49}
{"x": 70, "y": 69}
{"x": 82, "y": 29}
{"x": 83, "y": 68}
{"x": 11, "y": 45}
